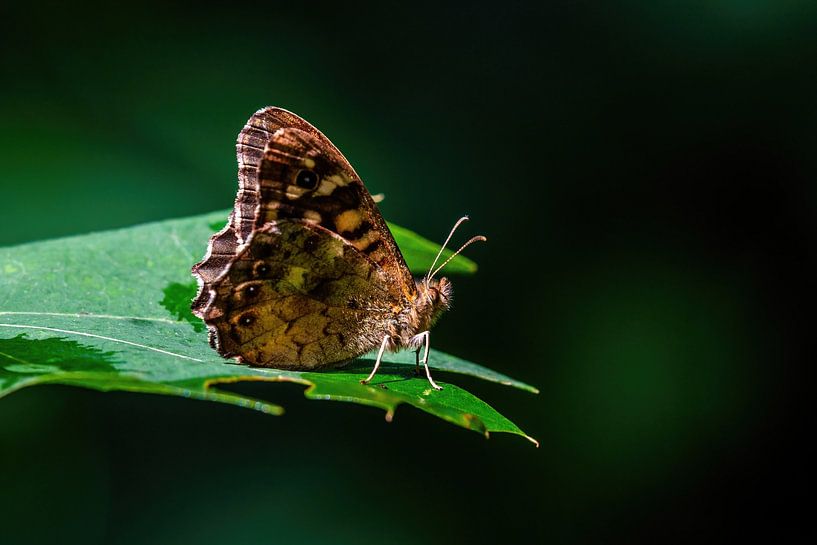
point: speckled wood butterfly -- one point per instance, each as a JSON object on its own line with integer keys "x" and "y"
{"x": 306, "y": 273}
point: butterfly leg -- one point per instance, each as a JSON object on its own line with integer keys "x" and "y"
{"x": 376, "y": 363}
{"x": 434, "y": 385}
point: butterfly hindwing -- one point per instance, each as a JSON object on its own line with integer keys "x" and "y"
{"x": 220, "y": 252}
{"x": 298, "y": 296}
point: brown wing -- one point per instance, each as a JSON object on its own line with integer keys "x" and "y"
{"x": 250, "y": 146}
{"x": 221, "y": 249}
{"x": 249, "y": 150}
{"x": 298, "y": 296}
{"x": 299, "y": 178}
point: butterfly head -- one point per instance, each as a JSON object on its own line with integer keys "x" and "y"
{"x": 438, "y": 292}
{"x": 434, "y": 295}
{"x": 433, "y": 298}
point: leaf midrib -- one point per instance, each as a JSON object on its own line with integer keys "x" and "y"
{"x": 102, "y": 337}
{"x": 89, "y": 315}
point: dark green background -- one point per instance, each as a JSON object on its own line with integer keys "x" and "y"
{"x": 646, "y": 178}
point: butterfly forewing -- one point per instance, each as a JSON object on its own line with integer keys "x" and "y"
{"x": 252, "y": 140}
{"x": 301, "y": 179}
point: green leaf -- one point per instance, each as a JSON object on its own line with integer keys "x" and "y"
{"x": 111, "y": 311}
{"x": 420, "y": 252}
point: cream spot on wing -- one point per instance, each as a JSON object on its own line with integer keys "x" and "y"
{"x": 377, "y": 255}
{"x": 348, "y": 220}
{"x": 363, "y": 242}
{"x": 308, "y": 163}
{"x": 295, "y": 192}
{"x": 326, "y": 188}
{"x": 339, "y": 179}
{"x": 312, "y": 215}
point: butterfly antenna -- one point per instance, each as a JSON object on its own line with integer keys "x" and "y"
{"x": 442, "y": 248}
{"x": 478, "y": 238}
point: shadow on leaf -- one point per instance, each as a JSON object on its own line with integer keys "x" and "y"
{"x": 23, "y": 356}
{"x": 217, "y": 226}
{"x": 177, "y": 301}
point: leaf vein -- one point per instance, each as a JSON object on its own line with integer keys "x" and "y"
{"x": 113, "y": 339}
{"x": 87, "y": 315}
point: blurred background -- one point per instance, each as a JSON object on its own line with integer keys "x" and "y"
{"x": 645, "y": 173}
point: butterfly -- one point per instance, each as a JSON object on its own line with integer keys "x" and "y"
{"x": 306, "y": 273}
